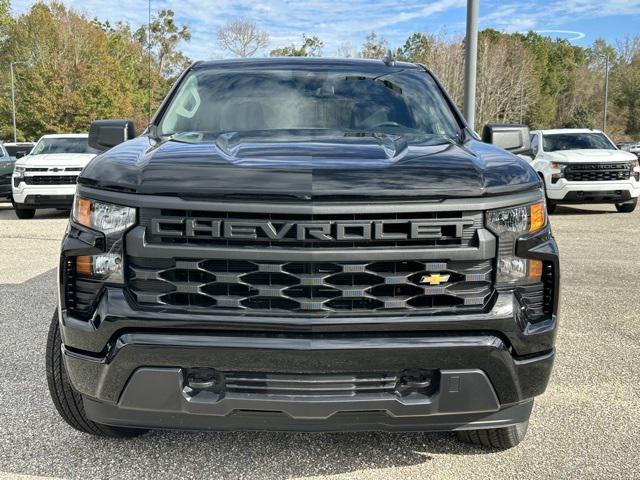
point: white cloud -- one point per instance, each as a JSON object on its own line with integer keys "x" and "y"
{"x": 571, "y": 35}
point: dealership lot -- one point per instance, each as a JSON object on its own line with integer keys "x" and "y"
{"x": 586, "y": 425}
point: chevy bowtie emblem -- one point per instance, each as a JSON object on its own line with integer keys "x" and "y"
{"x": 434, "y": 279}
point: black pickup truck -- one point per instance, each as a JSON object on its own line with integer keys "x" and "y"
{"x": 305, "y": 244}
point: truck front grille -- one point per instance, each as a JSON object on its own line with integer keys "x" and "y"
{"x": 51, "y": 180}
{"x": 597, "y": 172}
{"x": 309, "y": 385}
{"x": 305, "y": 287}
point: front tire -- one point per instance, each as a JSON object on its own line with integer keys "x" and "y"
{"x": 67, "y": 401}
{"x": 627, "y": 207}
{"x": 23, "y": 213}
{"x": 551, "y": 206}
{"x": 495, "y": 438}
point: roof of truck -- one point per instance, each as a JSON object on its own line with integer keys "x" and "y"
{"x": 66, "y": 135}
{"x": 551, "y": 131}
{"x": 304, "y": 61}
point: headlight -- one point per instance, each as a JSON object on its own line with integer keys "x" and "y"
{"x": 509, "y": 224}
{"x": 112, "y": 220}
{"x": 106, "y": 267}
{"x": 107, "y": 218}
{"x": 517, "y": 221}
{"x": 558, "y": 166}
{"x": 557, "y": 171}
{"x": 19, "y": 171}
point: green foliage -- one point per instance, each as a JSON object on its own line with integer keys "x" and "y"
{"x": 581, "y": 118}
{"x": 310, "y": 47}
{"x": 374, "y": 47}
{"x": 74, "y": 70}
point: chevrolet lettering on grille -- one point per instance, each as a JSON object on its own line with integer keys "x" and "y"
{"x": 382, "y": 230}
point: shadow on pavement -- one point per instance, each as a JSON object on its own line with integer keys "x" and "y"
{"x": 564, "y": 210}
{"x": 6, "y": 213}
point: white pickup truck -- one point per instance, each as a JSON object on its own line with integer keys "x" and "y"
{"x": 46, "y": 178}
{"x": 584, "y": 166}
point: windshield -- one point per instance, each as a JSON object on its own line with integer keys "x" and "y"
{"x": 576, "y": 141}
{"x": 63, "y": 145}
{"x": 14, "y": 149}
{"x": 215, "y": 101}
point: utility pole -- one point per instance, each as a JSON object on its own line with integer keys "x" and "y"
{"x": 521, "y": 102}
{"x": 470, "y": 61}
{"x": 606, "y": 91}
{"x": 13, "y": 100}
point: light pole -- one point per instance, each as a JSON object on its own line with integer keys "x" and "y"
{"x": 606, "y": 91}
{"x": 471, "y": 54}
{"x": 13, "y": 99}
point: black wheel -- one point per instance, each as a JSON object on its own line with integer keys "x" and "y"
{"x": 67, "y": 401}
{"x": 627, "y": 207}
{"x": 24, "y": 213}
{"x": 496, "y": 438}
{"x": 551, "y": 206}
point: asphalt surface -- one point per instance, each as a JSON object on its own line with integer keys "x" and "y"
{"x": 587, "y": 424}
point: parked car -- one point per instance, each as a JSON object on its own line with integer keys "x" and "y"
{"x": 580, "y": 166}
{"x": 19, "y": 149}
{"x": 630, "y": 147}
{"x": 46, "y": 178}
{"x": 6, "y": 169}
{"x": 305, "y": 244}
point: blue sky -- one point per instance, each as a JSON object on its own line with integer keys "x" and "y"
{"x": 346, "y": 23}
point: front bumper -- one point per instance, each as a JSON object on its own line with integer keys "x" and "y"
{"x": 131, "y": 368}
{"x": 44, "y": 196}
{"x": 593, "y": 192}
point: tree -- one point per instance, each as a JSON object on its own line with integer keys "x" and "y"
{"x": 444, "y": 57}
{"x": 242, "y": 38}
{"x": 5, "y": 16}
{"x": 76, "y": 71}
{"x": 346, "y": 50}
{"x": 165, "y": 37}
{"x": 374, "y": 47}
{"x": 310, "y": 47}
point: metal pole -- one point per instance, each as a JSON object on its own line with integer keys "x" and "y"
{"x": 471, "y": 57}
{"x": 521, "y": 103}
{"x": 13, "y": 103}
{"x": 606, "y": 93}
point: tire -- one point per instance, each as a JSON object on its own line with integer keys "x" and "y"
{"x": 627, "y": 207}
{"x": 24, "y": 213}
{"x": 551, "y": 206}
{"x": 67, "y": 401}
{"x": 495, "y": 438}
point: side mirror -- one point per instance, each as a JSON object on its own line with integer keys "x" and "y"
{"x": 105, "y": 134}
{"x": 513, "y": 138}
{"x": 20, "y": 154}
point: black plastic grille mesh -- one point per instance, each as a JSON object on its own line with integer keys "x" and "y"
{"x": 597, "y": 172}
{"x": 51, "y": 180}
{"x": 321, "y": 287}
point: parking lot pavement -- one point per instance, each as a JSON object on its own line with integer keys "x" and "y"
{"x": 587, "y": 424}
{"x": 29, "y": 248}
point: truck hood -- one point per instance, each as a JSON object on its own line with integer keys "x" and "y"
{"x": 590, "y": 156}
{"x": 310, "y": 165}
{"x": 58, "y": 160}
